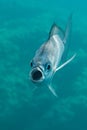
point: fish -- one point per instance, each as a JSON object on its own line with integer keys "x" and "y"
{"x": 51, "y": 56}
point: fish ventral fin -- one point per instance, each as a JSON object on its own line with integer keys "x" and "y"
{"x": 52, "y": 90}
{"x": 56, "y": 30}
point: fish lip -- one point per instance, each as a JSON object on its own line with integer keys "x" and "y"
{"x": 40, "y": 70}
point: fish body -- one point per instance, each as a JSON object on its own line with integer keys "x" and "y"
{"x": 48, "y": 58}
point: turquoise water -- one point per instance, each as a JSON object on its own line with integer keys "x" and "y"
{"x": 24, "y": 26}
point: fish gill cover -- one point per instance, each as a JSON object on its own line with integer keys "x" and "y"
{"x": 24, "y": 25}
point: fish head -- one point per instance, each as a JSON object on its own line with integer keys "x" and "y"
{"x": 40, "y": 72}
{"x": 41, "y": 66}
{"x": 45, "y": 61}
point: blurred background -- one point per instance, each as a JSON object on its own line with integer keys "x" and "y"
{"x": 24, "y": 26}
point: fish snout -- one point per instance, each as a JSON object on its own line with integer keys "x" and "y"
{"x": 36, "y": 75}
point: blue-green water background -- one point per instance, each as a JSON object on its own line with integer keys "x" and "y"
{"x": 24, "y": 26}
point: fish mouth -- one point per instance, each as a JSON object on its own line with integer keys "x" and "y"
{"x": 37, "y": 75}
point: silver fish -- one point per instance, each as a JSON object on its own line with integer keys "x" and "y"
{"x": 49, "y": 58}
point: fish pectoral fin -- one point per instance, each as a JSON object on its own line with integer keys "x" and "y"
{"x": 65, "y": 63}
{"x": 52, "y": 91}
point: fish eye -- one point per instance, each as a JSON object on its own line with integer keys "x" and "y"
{"x": 31, "y": 64}
{"x": 48, "y": 67}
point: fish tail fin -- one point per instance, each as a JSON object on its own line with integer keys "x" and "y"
{"x": 68, "y": 29}
{"x": 67, "y": 38}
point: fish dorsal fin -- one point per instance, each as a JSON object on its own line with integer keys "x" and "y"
{"x": 56, "y": 30}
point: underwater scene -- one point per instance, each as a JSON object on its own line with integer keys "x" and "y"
{"x": 24, "y": 27}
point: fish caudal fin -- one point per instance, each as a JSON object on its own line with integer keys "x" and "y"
{"x": 52, "y": 91}
{"x": 67, "y": 38}
{"x": 68, "y": 29}
{"x": 65, "y": 63}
